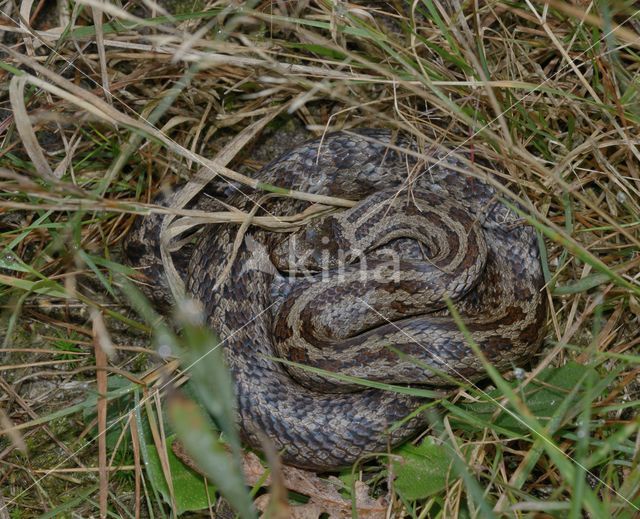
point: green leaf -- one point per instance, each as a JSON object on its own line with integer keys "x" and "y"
{"x": 45, "y": 287}
{"x": 582, "y": 285}
{"x": 542, "y": 396}
{"x": 423, "y": 470}
{"x": 190, "y": 489}
{"x": 209, "y": 453}
{"x": 10, "y": 261}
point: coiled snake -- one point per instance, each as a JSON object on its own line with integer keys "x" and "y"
{"x": 445, "y": 235}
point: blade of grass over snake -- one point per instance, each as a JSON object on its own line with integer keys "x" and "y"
{"x": 403, "y": 390}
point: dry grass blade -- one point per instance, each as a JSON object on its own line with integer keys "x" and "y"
{"x": 622, "y": 33}
{"x": 23, "y": 125}
{"x": 157, "y": 434}
{"x": 96, "y": 106}
{"x": 193, "y": 188}
{"x": 97, "y": 19}
{"x": 101, "y": 385}
{"x": 137, "y": 467}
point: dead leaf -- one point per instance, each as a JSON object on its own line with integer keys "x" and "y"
{"x": 324, "y": 497}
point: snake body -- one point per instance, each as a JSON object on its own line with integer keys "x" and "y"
{"x": 448, "y": 237}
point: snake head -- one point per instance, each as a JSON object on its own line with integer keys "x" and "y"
{"x": 323, "y": 244}
{"x": 316, "y": 247}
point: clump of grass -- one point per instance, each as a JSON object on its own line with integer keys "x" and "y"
{"x": 104, "y": 105}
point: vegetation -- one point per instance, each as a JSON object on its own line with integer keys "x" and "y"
{"x": 104, "y": 104}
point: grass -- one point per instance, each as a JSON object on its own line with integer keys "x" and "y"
{"x": 100, "y": 109}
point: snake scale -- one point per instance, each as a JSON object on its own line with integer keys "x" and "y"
{"x": 442, "y": 235}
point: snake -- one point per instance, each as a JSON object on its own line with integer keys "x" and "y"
{"x": 326, "y": 329}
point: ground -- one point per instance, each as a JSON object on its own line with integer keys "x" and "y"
{"x": 103, "y": 105}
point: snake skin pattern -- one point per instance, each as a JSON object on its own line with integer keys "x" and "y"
{"x": 450, "y": 237}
